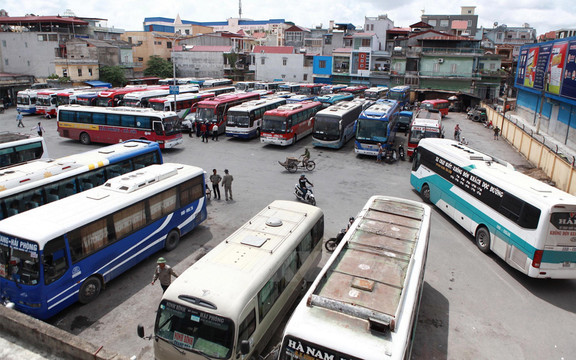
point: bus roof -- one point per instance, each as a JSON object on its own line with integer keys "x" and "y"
{"x": 118, "y": 109}
{"x": 428, "y": 114}
{"x": 7, "y": 136}
{"x": 379, "y": 110}
{"x": 59, "y": 217}
{"x": 185, "y": 96}
{"x": 339, "y": 109}
{"x": 224, "y": 98}
{"x": 287, "y": 109}
{"x": 400, "y": 88}
{"x": 253, "y": 104}
{"x": 246, "y": 258}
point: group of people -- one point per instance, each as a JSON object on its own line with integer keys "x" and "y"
{"x": 215, "y": 179}
{"x": 39, "y": 129}
{"x": 204, "y": 130}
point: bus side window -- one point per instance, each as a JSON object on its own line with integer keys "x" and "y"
{"x": 158, "y": 129}
{"x": 416, "y": 161}
{"x": 54, "y": 260}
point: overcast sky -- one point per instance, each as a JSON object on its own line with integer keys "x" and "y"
{"x": 544, "y": 15}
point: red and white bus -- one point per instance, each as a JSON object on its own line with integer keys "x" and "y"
{"x": 213, "y": 111}
{"x": 113, "y": 125}
{"x": 310, "y": 89}
{"x": 441, "y": 105}
{"x": 114, "y": 97}
{"x": 288, "y": 123}
{"x": 426, "y": 124}
{"x": 142, "y": 98}
{"x": 357, "y": 91}
{"x": 184, "y": 102}
{"x": 46, "y": 101}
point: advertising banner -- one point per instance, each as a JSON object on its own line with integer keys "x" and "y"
{"x": 568, "y": 87}
{"x": 556, "y": 67}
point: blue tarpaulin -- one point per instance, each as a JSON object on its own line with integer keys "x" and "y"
{"x": 97, "y": 83}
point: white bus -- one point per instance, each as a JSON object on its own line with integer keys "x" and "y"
{"x": 141, "y": 98}
{"x": 227, "y": 304}
{"x": 364, "y": 303}
{"x": 245, "y": 120}
{"x": 529, "y": 224}
{"x": 26, "y": 101}
{"x": 67, "y": 251}
{"x": 334, "y": 126}
{"x": 16, "y": 148}
{"x": 375, "y": 93}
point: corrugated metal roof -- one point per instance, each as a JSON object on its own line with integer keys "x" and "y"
{"x": 206, "y": 48}
{"x": 274, "y": 49}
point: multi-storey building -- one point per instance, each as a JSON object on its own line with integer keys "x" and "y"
{"x": 464, "y": 24}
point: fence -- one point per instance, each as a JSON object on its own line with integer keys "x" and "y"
{"x": 543, "y": 155}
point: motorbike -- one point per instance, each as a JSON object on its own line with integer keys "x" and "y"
{"x": 309, "y": 198}
{"x": 401, "y": 153}
{"x": 331, "y": 244}
{"x": 390, "y": 156}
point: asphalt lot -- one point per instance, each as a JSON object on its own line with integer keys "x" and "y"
{"x": 473, "y": 306}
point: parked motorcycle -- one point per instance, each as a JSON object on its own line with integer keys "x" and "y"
{"x": 401, "y": 153}
{"x": 308, "y": 198}
{"x": 331, "y": 244}
{"x": 390, "y": 156}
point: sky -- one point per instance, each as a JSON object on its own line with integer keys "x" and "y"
{"x": 129, "y": 15}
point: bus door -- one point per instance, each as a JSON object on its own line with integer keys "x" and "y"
{"x": 158, "y": 128}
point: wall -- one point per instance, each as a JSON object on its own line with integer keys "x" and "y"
{"x": 274, "y": 68}
{"x": 199, "y": 64}
{"x": 26, "y": 55}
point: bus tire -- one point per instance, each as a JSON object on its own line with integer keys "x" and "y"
{"x": 172, "y": 240}
{"x": 483, "y": 239}
{"x": 258, "y": 132}
{"x": 310, "y": 165}
{"x": 425, "y": 192}
{"x": 90, "y": 290}
{"x": 85, "y": 138}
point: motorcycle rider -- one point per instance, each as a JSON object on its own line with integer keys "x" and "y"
{"x": 302, "y": 183}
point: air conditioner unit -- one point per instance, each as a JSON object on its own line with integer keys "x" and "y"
{"x": 440, "y": 61}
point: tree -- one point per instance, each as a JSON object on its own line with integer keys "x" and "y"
{"x": 157, "y": 66}
{"x": 113, "y": 74}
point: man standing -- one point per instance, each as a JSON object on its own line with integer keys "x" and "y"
{"x": 19, "y": 119}
{"x": 227, "y": 183}
{"x": 164, "y": 273}
{"x": 215, "y": 132}
{"x": 215, "y": 180}
{"x": 204, "y": 131}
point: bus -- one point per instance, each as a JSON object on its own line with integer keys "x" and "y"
{"x": 184, "y": 102}
{"x": 376, "y": 124}
{"x": 35, "y": 183}
{"x": 142, "y": 98}
{"x": 114, "y": 97}
{"x": 289, "y": 87}
{"x": 375, "y": 93}
{"x": 245, "y": 120}
{"x": 17, "y": 148}
{"x": 404, "y": 121}
{"x": 400, "y": 94}
{"x": 66, "y": 96}
{"x": 331, "y": 99}
{"x": 228, "y": 304}
{"x": 309, "y": 89}
{"x": 46, "y": 102}
{"x": 79, "y": 244}
{"x": 288, "y": 123}
{"x": 334, "y": 126}
{"x": 210, "y": 83}
{"x": 219, "y": 90}
{"x": 85, "y": 98}
{"x": 332, "y": 89}
{"x": 113, "y": 125}
{"x": 298, "y": 98}
{"x": 214, "y": 111}
{"x": 527, "y": 223}
{"x": 364, "y": 303}
{"x": 268, "y": 86}
{"x": 245, "y": 85}
{"x": 441, "y": 105}
{"x": 26, "y": 101}
{"x": 357, "y": 91}
{"x": 426, "y": 124}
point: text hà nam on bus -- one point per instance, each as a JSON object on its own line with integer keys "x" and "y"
{"x": 331, "y": 99}
{"x": 364, "y": 303}
{"x": 288, "y": 123}
{"x": 376, "y": 124}
{"x": 334, "y": 126}
{"x": 113, "y": 125}
{"x": 375, "y": 93}
{"x": 401, "y": 94}
{"x": 17, "y": 148}
{"x": 245, "y": 120}
{"x": 441, "y": 105}
{"x": 78, "y": 244}
{"x": 27, "y": 186}
{"x": 527, "y": 223}
{"x": 228, "y": 304}
{"x": 215, "y": 111}
{"x": 426, "y": 124}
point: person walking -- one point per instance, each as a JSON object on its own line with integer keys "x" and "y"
{"x": 227, "y": 183}
{"x": 19, "y": 119}
{"x": 496, "y": 132}
{"x": 204, "y": 132}
{"x": 39, "y": 129}
{"x": 457, "y": 132}
{"x": 163, "y": 272}
{"x": 215, "y": 132}
{"x": 215, "y": 179}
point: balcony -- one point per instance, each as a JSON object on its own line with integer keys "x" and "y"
{"x": 451, "y": 51}
{"x": 449, "y": 75}
{"x": 65, "y": 61}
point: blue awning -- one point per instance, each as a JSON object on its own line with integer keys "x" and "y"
{"x": 97, "y": 83}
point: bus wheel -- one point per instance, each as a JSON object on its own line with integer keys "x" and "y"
{"x": 258, "y": 132}
{"x": 90, "y": 290}
{"x": 85, "y": 139}
{"x": 172, "y": 240}
{"x": 425, "y": 192}
{"x": 294, "y": 139}
{"x": 483, "y": 240}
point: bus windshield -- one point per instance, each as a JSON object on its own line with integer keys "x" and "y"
{"x": 275, "y": 124}
{"x": 103, "y": 101}
{"x": 328, "y": 126}
{"x": 172, "y": 125}
{"x": 19, "y": 260}
{"x": 206, "y": 114}
{"x": 240, "y": 119}
{"x": 376, "y": 130}
{"x": 156, "y": 105}
{"x": 44, "y": 101}
{"x": 417, "y": 134}
{"x": 396, "y": 95}
{"x": 193, "y": 329}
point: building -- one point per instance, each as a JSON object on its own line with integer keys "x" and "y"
{"x": 464, "y": 24}
{"x": 281, "y": 62}
{"x": 201, "y": 61}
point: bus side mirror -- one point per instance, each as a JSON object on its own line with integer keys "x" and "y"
{"x": 140, "y": 331}
{"x": 244, "y": 347}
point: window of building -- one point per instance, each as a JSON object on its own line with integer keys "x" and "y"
{"x": 52, "y": 37}
{"x": 432, "y": 22}
{"x": 139, "y": 43}
{"x": 5, "y": 61}
{"x": 28, "y": 63}
{"x": 328, "y": 40}
{"x": 492, "y": 66}
{"x": 140, "y": 59}
{"x": 305, "y": 78}
{"x": 90, "y": 71}
{"x": 499, "y": 36}
{"x": 444, "y": 23}
{"x": 322, "y": 64}
{"x": 79, "y": 72}
{"x": 436, "y": 68}
{"x": 42, "y": 37}
{"x": 262, "y": 61}
{"x": 284, "y": 61}
{"x": 365, "y": 42}
{"x": 469, "y": 23}
{"x": 169, "y": 44}
{"x": 187, "y": 31}
{"x": 64, "y": 72}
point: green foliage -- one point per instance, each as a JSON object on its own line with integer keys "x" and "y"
{"x": 64, "y": 79}
{"x": 157, "y": 66}
{"x": 113, "y": 74}
{"x": 53, "y": 77}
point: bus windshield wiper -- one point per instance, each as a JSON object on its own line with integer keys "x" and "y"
{"x": 200, "y": 352}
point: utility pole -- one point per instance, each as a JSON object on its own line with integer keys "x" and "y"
{"x": 239, "y": 9}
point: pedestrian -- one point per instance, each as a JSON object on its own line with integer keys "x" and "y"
{"x": 204, "y": 132}
{"x": 192, "y": 128}
{"x": 198, "y": 128}
{"x": 496, "y": 132}
{"x": 215, "y": 132}
{"x": 39, "y": 129}
{"x": 215, "y": 179}
{"x": 163, "y": 272}
{"x": 227, "y": 183}
{"x": 19, "y": 119}
{"x": 380, "y": 152}
{"x": 457, "y": 132}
